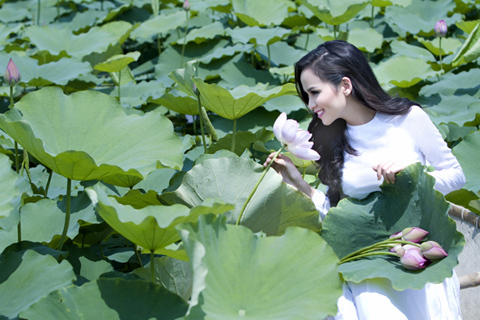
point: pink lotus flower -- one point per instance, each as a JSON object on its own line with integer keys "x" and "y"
{"x": 432, "y": 250}
{"x": 186, "y": 5}
{"x": 441, "y": 28}
{"x": 296, "y": 140}
{"x": 412, "y": 258}
{"x": 414, "y": 234}
{"x": 11, "y": 75}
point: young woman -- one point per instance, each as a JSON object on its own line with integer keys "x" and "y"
{"x": 365, "y": 137}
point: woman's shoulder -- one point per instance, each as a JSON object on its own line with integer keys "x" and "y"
{"x": 414, "y": 115}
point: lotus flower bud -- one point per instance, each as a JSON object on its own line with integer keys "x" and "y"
{"x": 414, "y": 234}
{"x": 12, "y": 75}
{"x": 399, "y": 250}
{"x": 186, "y": 5}
{"x": 195, "y": 90}
{"x": 441, "y": 28}
{"x": 432, "y": 250}
{"x": 412, "y": 258}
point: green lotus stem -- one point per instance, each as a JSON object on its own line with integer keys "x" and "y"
{"x": 233, "y": 135}
{"x": 240, "y": 215}
{"x": 201, "y": 123}
{"x": 372, "y": 17}
{"x": 119, "y": 83}
{"x": 184, "y": 39}
{"x": 440, "y": 47}
{"x": 38, "y": 12}
{"x": 335, "y": 28}
{"x": 152, "y": 266}
{"x": 138, "y": 255}
{"x": 304, "y": 172}
{"x": 101, "y": 251}
{"x": 48, "y": 182}
{"x": 58, "y": 9}
{"x": 306, "y": 42}
{"x": 376, "y": 253}
{"x": 67, "y": 215}
{"x": 269, "y": 61}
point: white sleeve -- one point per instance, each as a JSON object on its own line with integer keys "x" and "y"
{"x": 448, "y": 172}
{"x": 321, "y": 202}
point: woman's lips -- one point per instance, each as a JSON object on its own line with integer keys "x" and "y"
{"x": 320, "y": 113}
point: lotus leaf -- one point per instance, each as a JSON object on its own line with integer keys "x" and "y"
{"x": 109, "y": 299}
{"x": 281, "y": 53}
{"x": 470, "y": 49}
{"x": 233, "y": 104}
{"x": 405, "y": 49}
{"x": 403, "y": 71}
{"x": 454, "y": 83}
{"x": 57, "y": 40}
{"x": 456, "y": 109}
{"x": 410, "y": 202}
{"x": 10, "y": 191}
{"x": 63, "y": 133}
{"x": 152, "y": 227}
{"x": 161, "y": 24}
{"x": 467, "y": 152}
{"x": 204, "y": 33}
{"x": 28, "y": 276}
{"x": 260, "y": 13}
{"x": 258, "y": 36}
{"x": 335, "y": 12}
{"x": 365, "y": 39}
{"x": 273, "y": 208}
{"x": 238, "y": 274}
{"x": 136, "y": 95}
{"x": 179, "y": 102}
{"x": 449, "y": 45}
{"x": 118, "y": 62}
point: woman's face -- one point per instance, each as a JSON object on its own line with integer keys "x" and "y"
{"x": 326, "y": 101}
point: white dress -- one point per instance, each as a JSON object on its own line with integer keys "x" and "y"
{"x": 407, "y": 138}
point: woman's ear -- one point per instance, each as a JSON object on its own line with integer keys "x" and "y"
{"x": 346, "y": 85}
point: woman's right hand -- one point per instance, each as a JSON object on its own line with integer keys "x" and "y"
{"x": 290, "y": 174}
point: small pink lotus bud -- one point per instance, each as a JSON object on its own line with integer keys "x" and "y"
{"x": 399, "y": 250}
{"x": 432, "y": 250}
{"x": 412, "y": 258}
{"x": 414, "y": 234}
{"x": 186, "y": 5}
{"x": 12, "y": 75}
{"x": 441, "y": 28}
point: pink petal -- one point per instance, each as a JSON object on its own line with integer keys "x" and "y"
{"x": 304, "y": 153}
{"x": 301, "y": 137}
{"x": 278, "y": 125}
{"x": 289, "y": 131}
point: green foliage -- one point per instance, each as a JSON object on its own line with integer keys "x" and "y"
{"x": 143, "y": 163}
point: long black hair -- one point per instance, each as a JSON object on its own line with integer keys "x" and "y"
{"x": 331, "y": 61}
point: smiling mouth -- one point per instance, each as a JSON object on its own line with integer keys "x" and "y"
{"x": 320, "y": 113}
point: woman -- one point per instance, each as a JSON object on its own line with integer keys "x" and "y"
{"x": 365, "y": 137}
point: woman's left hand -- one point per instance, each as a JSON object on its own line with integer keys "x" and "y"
{"x": 388, "y": 169}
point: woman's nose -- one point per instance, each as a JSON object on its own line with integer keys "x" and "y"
{"x": 311, "y": 104}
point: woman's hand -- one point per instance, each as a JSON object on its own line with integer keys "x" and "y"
{"x": 388, "y": 169}
{"x": 290, "y": 174}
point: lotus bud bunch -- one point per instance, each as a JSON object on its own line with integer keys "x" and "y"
{"x": 295, "y": 140}
{"x": 11, "y": 75}
{"x": 441, "y": 28}
{"x": 412, "y": 258}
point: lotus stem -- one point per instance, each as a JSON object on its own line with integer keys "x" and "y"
{"x": 233, "y": 135}
{"x": 138, "y": 255}
{"x": 152, "y": 266}
{"x": 184, "y": 39}
{"x": 372, "y": 17}
{"x": 367, "y": 255}
{"x": 38, "y": 12}
{"x": 306, "y": 42}
{"x": 67, "y": 215}
{"x": 201, "y": 123}
{"x": 119, "y": 83}
{"x": 17, "y": 170}
{"x": 257, "y": 185}
{"x": 269, "y": 60}
{"x": 48, "y": 182}
{"x": 440, "y": 47}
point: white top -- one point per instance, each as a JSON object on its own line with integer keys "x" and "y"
{"x": 407, "y": 138}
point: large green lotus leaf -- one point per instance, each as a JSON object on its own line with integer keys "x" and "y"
{"x": 161, "y": 24}
{"x": 8, "y": 186}
{"x": 333, "y": 11}
{"x": 260, "y": 13}
{"x": 365, "y": 39}
{"x": 157, "y": 180}
{"x": 467, "y": 26}
{"x": 179, "y": 102}
{"x": 27, "y": 277}
{"x": 468, "y": 152}
{"x": 6, "y": 31}
{"x": 281, "y": 53}
{"x": 173, "y": 274}
{"x": 227, "y": 51}
{"x": 470, "y": 49}
{"x": 403, "y": 71}
{"x": 118, "y": 62}
{"x": 121, "y": 30}
{"x": 457, "y": 109}
{"x": 58, "y": 72}
{"x": 274, "y": 206}
{"x": 241, "y": 275}
{"x": 12, "y": 12}
{"x": 420, "y": 17}
{"x": 449, "y": 45}
{"x": 151, "y": 227}
{"x": 57, "y": 40}
{"x": 92, "y": 270}
{"x": 199, "y": 35}
{"x": 235, "y": 74}
{"x": 258, "y": 36}
{"x": 243, "y": 140}
{"x": 233, "y": 104}
{"x": 135, "y": 95}
{"x": 87, "y": 136}
{"x": 410, "y": 202}
{"x": 112, "y": 299}
{"x": 184, "y": 78}
{"x": 405, "y": 49}
{"x": 454, "y": 83}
